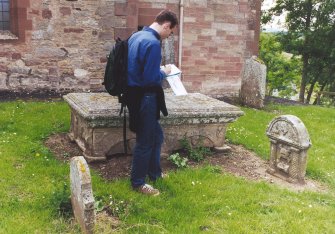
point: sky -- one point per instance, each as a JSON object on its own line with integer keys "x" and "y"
{"x": 277, "y": 23}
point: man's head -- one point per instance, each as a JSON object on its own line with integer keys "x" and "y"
{"x": 164, "y": 23}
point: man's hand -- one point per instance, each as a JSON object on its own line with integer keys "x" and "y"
{"x": 166, "y": 69}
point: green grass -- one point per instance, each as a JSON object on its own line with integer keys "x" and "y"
{"x": 222, "y": 203}
{"x": 199, "y": 200}
{"x": 250, "y": 130}
{"x": 29, "y": 174}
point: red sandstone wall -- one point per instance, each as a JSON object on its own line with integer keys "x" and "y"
{"x": 218, "y": 37}
{"x": 62, "y": 44}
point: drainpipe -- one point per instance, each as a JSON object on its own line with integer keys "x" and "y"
{"x": 181, "y": 19}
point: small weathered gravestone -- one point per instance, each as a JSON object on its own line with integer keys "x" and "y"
{"x": 81, "y": 194}
{"x": 253, "y": 83}
{"x": 289, "y": 144}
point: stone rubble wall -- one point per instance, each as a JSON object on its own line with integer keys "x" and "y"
{"x": 65, "y": 46}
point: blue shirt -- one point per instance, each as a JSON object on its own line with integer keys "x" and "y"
{"x": 144, "y": 59}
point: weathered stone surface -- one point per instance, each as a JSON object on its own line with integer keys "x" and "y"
{"x": 40, "y": 72}
{"x": 31, "y": 60}
{"x": 3, "y": 81}
{"x": 90, "y": 23}
{"x": 7, "y": 35}
{"x": 47, "y": 52}
{"x": 38, "y": 34}
{"x": 19, "y": 67}
{"x": 97, "y": 127}
{"x": 168, "y": 55}
{"x": 46, "y": 14}
{"x": 253, "y": 83}
{"x": 81, "y": 194}
{"x": 80, "y": 73}
{"x": 289, "y": 144}
{"x": 65, "y": 11}
{"x": 16, "y": 56}
{"x": 29, "y": 81}
{"x": 14, "y": 80}
{"x": 198, "y": 3}
{"x": 69, "y": 81}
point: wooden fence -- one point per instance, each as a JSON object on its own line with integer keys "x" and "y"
{"x": 324, "y": 93}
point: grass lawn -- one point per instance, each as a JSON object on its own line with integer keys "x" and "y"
{"x": 250, "y": 129}
{"x": 34, "y": 186}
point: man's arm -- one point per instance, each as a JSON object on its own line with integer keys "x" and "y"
{"x": 152, "y": 73}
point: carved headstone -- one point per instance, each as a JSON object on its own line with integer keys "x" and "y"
{"x": 81, "y": 194}
{"x": 289, "y": 144}
{"x": 253, "y": 83}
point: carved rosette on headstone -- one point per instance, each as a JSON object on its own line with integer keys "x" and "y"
{"x": 289, "y": 144}
{"x": 81, "y": 194}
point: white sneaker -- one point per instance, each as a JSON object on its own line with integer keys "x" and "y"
{"x": 148, "y": 190}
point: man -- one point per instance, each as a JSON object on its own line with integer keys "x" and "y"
{"x": 145, "y": 99}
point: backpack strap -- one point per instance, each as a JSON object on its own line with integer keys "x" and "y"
{"x": 123, "y": 109}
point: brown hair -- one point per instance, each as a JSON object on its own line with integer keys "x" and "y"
{"x": 168, "y": 16}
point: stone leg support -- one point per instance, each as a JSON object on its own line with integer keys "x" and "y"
{"x": 273, "y": 157}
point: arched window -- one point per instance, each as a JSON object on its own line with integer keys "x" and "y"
{"x": 4, "y": 15}
{"x": 14, "y": 20}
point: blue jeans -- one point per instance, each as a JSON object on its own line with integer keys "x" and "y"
{"x": 149, "y": 139}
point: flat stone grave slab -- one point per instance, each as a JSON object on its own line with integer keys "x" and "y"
{"x": 98, "y": 129}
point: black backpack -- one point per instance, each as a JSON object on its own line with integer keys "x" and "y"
{"x": 115, "y": 79}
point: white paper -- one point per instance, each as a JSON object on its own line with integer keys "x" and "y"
{"x": 174, "y": 70}
{"x": 176, "y": 85}
{"x": 174, "y": 81}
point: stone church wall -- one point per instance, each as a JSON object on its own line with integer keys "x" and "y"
{"x": 62, "y": 45}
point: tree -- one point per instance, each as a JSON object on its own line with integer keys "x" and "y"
{"x": 310, "y": 25}
{"x": 283, "y": 71}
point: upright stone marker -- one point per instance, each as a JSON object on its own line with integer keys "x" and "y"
{"x": 81, "y": 194}
{"x": 253, "y": 83}
{"x": 168, "y": 50}
{"x": 289, "y": 144}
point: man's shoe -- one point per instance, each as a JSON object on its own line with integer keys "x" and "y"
{"x": 148, "y": 190}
